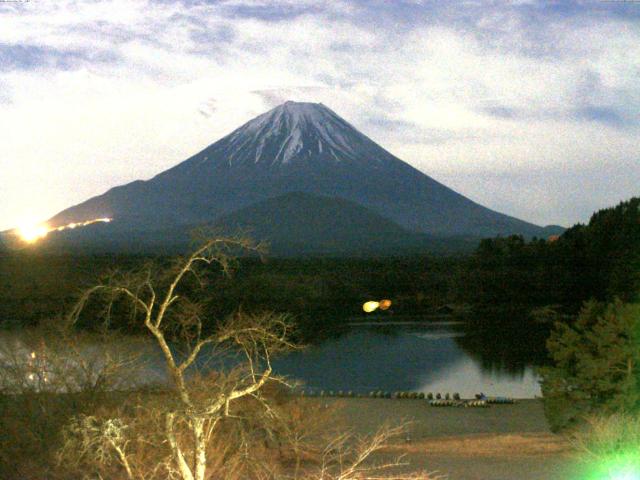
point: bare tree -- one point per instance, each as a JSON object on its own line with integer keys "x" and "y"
{"x": 188, "y": 425}
{"x": 171, "y": 317}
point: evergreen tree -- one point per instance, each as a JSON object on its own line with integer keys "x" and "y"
{"x": 596, "y": 364}
{"x": 600, "y": 260}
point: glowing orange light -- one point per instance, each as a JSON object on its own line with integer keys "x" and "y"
{"x": 385, "y": 304}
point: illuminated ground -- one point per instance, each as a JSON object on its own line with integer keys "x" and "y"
{"x": 503, "y": 442}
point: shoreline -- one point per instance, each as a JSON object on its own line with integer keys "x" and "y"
{"x": 501, "y": 442}
{"x": 438, "y": 321}
{"x": 365, "y": 415}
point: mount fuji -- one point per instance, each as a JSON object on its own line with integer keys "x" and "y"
{"x": 301, "y": 148}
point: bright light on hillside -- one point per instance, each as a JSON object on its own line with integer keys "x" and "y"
{"x": 32, "y": 232}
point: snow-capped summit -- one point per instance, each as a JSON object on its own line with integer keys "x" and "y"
{"x": 293, "y": 132}
{"x": 298, "y": 130}
{"x": 295, "y": 147}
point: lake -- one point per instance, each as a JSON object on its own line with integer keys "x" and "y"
{"x": 437, "y": 357}
{"x": 423, "y": 357}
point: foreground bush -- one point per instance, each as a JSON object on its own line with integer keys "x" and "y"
{"x": 596, "y": 364}
{"x": 609, "y": 446}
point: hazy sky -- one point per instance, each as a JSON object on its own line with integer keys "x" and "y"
{"x": 528, "y": 107}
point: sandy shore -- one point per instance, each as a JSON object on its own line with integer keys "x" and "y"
{"x": 502, "y": 442}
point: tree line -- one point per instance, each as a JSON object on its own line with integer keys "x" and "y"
{"x": 599, "y": 260}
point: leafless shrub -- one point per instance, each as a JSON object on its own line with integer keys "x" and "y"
{"x": 347, "y": 457}
{"x": 56, "y": 358}
{"x": 48, "y": 375}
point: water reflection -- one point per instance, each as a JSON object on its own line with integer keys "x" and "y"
{"x": 476, "y": 379}
{"x": 367, "y": 358}
{"x": 505, "y": 348}
{"x": 436, "y": 357}
{"x": 446, "y": 357}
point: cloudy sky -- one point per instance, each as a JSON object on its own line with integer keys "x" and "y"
{"x": 528, "y": 107}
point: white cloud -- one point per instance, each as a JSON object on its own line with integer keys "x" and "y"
{"x": 130, "y": 88}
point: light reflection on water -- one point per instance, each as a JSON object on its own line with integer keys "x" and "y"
{"x": 476, "y": 380}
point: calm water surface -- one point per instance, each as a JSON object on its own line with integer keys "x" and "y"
{"x": 434, "y": 357}
{"x": 424, "y": 357}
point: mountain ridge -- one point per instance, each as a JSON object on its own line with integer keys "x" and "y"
{"x": 292, "y": 225}
{"x": 308, "y": 224}
{"x": 295, "y": 147}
